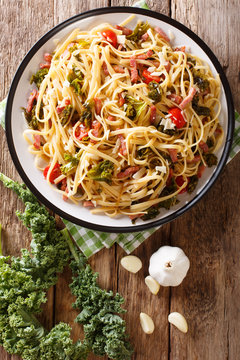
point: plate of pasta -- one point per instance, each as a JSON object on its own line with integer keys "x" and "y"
{"x": 119, "y": 125}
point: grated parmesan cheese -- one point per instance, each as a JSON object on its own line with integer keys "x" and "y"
{"x": 66, "y": 83}
{"x": 121, "y": 39}
{"x": 161, "y": 169}
{"x": 167, "y": 123}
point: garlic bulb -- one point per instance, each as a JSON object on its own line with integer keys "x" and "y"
{"x": 169, "y": 266}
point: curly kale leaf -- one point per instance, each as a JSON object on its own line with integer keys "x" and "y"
{"x": 200, "y": 110}
{"x": 75, "y": 78}
{"x": 39, "y": 77}
{"x": 65, "y": 114}
{"x": 210, "y": 159}
{"x": 134, "y": 107}
{"x": 155, "y": 92}
{"x": 104, "y": 330}
{"x": 102, "y": 171}
{"x": 72, "y": 162}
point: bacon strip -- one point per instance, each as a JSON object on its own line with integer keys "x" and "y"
{"x": 173, "y": 155}
{"x": 105, "y": 68}
{"x": 188, "y": 98}
{"x": 145, "y": 36}
{"x": 123, "y": 147}
{"x": 125, "y": 30}
{"x": 127, "y": 172}
{"x": 203, "y": 146}
{"x": 136, "y": 216}
{"x": 134, "y": 72}
{"x": 121, "y": 99}
{"x": 175, "y": 98}
{"x": 98, "y": 105}
{"x": 88, "y": 204}
{"x": 162, "y": 33}
{"x": 145, "y": 56}
{"x": 195, "y": 160}
{"x": 153, "y": 113}
{"x": 33, "y": 96}
{"x": 96, "y": 126}
{"x": 118, "y": 69}
{"x": 37, "y": 141}
{"x": 167, "y": 67}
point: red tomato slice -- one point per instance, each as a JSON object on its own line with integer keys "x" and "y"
{"x": 55, "y": 173}
{"x": 148, "y": 77}
{"x": 177, "y": 117}
{"x": 110, "y": 36}
{"x": 180, "y": 181}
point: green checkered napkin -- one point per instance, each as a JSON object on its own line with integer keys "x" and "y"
{"x": 90, "y": 241}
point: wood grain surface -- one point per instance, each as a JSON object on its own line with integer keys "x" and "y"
{"x": 209, "y": 233}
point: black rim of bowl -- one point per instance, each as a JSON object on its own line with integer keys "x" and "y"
{"x": 153, "y": 14}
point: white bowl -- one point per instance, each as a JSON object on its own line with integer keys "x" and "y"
{"x": 20, "y": 89}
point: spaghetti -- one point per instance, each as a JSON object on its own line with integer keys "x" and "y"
{"x": 124, "y": 121}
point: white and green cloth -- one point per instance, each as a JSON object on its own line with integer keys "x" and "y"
{"x": 91, "y": 241}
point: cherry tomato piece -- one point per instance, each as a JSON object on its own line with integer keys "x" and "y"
{"x": 148, "y": 77}
{"x": 55, "y": 173}
{"x": 110, "y": 36}
{"x": 180, "y": 181}
{"x": 177, "y": 117}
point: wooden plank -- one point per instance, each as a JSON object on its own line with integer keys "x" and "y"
{"x": 139, "y": 299}
{"x": 160, "y": 6}
{"x": 209, "y": 233}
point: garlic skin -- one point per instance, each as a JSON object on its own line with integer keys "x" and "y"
{"x": 169, "y": 266}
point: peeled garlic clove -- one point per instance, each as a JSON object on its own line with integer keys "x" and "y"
{"x": 152, "y": 284}
{"x": 147, "y": 323}
{"x": 131, "y": 263}
{"x": 179, "y": 321}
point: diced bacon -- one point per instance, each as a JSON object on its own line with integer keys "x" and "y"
{"x": 37, "y": 141}
{"x": 162, "y": 33}
{"x": 98, "y": 105}
{"x": 121, "y": 99}
{"x": 134, "y": 72}
{"x": 218, "y": 131}
{"x": 123, "y": 147}
{"x": 182, "y": 48}
{"x": 203, "y": 146}
{"x": 118, "y": 69}
{"x": 188, "y": 98}
{"x": 167, "y": 67}
{"x": 127, "y": 172}
{"x": 96, "y": 126}
{"x": 201, "y": 169}
{"x": 136, "y": 216}
{"x": 67, "y": 102}
{"x": 195, "y": 160}
{"x": 88, "y": 204}
{"x": 175, "y": 98}
{"x": 204, "y": 120}
{"x": 65, "y": 197}
{"x": 33, "y": 96}
{"x": 125, "y": 31}
{"x": 205, "y": 92}
{"x": 173, "y": 155}
{"x": 145, "y": 56}
{"x": 47, "y": 57}
{"x": 45, "y": 65}
{"x": 153, "y": 113}
{"x": 105, "y": 68}
{"x": 145, "y": 36}
{"x": 111, "y": 118}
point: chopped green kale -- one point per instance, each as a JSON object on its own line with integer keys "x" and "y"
{"x": 200, "y": 110}
{"x": 200, "y": 80}
{"x": 144, "y": 152}
{"x": 192, "y": 184}
{"x": 152, "y": 212}
{"x": 39, "y": 77}
{"x": 210, "y": 159}
{"x": 102, "y": 171}
{"x": 139, "y": 30}
{"x": 75, "y": 78}
{"x": 65, "y": 114}
{"x": 86, "y": 115}
{"x": 72, "y": 162}
{"x": 134, "y": 107}
{"x": 155, "y": 92}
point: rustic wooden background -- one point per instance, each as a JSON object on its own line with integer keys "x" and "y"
{"x": 209, "y": 233}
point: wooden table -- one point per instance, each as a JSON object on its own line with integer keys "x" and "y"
{"x": 209, "y": 233}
